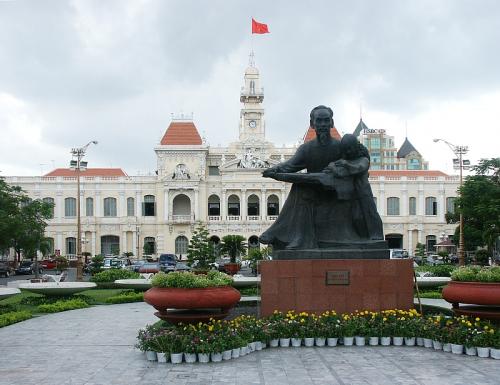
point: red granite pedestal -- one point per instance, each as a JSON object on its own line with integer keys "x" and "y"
{"x": 341, "y": 285}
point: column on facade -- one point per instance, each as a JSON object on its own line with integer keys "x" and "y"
{"x": 381, "y": 203}
{"x": 196, "y": 204}
{"x": 134, "y": 244}
{"x": 60, "y": 243}
{"x": 122, "y": 211}
{"x": 94, "y": 244}
{"x": 165, "y": 203}
{"x": 441, "y": 205}
{"x": 243, "y": 208}
{"x": 223, "y": 205}
{"x": 421, "y": 200}
{"x": 123, "y": 246}
{"x": 404, "y": 203}
{"x": 97, "y": 204}
{"x": 263, "y": 205}
{"x": 138, "y": 204}
{"x": 59, "y": 206}
{"x": 410, "y": 242}
{"x": 419, "y": 236}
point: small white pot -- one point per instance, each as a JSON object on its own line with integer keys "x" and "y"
{"x": 309, "y": 341}
{"x": 203, "y": 357}
{"x": 410, "y": 341}
{"x": 190, "y": 358}
{"x": 373, "y": 341}
{"x": 243, "y": 351}
{"x": 332, "y": 341}
{"x": 162, "y": 357}
{"x": 385, "y": 341}
{"x": 437, "y": 345}
{"x": 226, "y": 355}
{"x": 274, "y": 343}
{"x": 397, "y": 341}
{"x": 264, "y": 345}
{"x": 251, "y": 346}
{"x": 360, "y": 341}
{"x": 216, "y": 357}
{"x": 471, "y": 351}
{"x": 258, "y": 345}
{"x": 457, "y": 349}
{"x": 447, "y": 347}
{"x": 495, "y": 353}
{"x": 151, "y": 356}
{"x": 420, "y": 341}
{"x": 284, "y": 342}
{"x": 427, "y": 343}
{"x": 348, "y": 341}
{"x": 320, "y": 341}
{"x": 235, "y": 353}
{"x": 483, "y": 352}
{"x": 296, "y": 342}
{"x": 176, "y": 358}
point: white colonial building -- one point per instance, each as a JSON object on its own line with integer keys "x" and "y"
{"x": 221, "y": 187}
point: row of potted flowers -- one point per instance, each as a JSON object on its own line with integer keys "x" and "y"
{"x": 224, "y": 340}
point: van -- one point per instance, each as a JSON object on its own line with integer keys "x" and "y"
{"x": 167, "y": 262}
{"x": 398, "y": 253}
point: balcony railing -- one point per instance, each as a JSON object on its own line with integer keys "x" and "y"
{"x": 214, "y": 218}
{"x": 272, "y": 217}
{"x": 181, "y": 218}
{"x": 253, "y": 217}
{"x": 234, "y": 218}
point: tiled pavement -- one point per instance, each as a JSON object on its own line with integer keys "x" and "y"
{"x": 95, "y": 346}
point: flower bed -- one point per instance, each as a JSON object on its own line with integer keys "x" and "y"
{"x": 222, "y": 340}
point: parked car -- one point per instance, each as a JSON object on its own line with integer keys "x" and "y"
{"x": 113, "y": 263}
{"x": 181, "y": 266}
{"x": 167, "y": 262}
{"x": 149, "y": 267}
{"x": 28, "y": 267}
{"x": 5, "y": 269}
{"x": 434, "y": 260}
{"x": 48, "y": 264}
{"x": 136, "y": 265}
{"x": 398, "y": 253}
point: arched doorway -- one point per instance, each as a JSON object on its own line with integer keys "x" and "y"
{"x": 110, "y": 245}
{"x": 213, "y": 206}
{"x": 233, "y": 206}
{"x": 181, "y": 246}
{"x": 273, "y": 205}
{"x": 149, "y": 246}
{"x": 253, "y": 207}
{"x": 181, "y": 205}
{"x": 394, "y": 241}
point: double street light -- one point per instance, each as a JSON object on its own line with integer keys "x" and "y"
{"x": 459, "y": 164}
{"x": 78, "y": 165}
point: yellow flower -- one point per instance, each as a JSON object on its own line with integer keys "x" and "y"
{"x": 477, "y": 318}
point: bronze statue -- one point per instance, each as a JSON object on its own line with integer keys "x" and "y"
{"x": 332, "y": 205}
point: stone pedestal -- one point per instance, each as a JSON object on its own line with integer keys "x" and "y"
{"x": 317, "y": 285}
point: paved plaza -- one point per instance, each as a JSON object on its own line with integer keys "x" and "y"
{"x": 95, "y": 346}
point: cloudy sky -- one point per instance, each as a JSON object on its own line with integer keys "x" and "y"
{"x": 115, "y": 71}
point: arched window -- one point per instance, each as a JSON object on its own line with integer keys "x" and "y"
{"x": 130, "y": 207}
{"x": 70, "y": 246}
{"x": 430, "y": 242}
{"x": 392, "y": 206}
{"x": 89, "y": 207}
{"x": 253, "y": 208}
{"x": 233, "y": 206}
{"x": 51, "y": 202}
{"x": 70, "y": 207}
{"x": 253, "y": 242}
{"x": 149, "y": 246}
{"x": 430, "y": 206}
{"x": 181, "y": 245}
{"x": 181, "y": 205}
{"x": 148, "y": 206}
{"x": 412, "y": 206}
{"x": 110, "y": 245}
{"x": 450, "y": 205}
{"x": 273, "y": 205}
{"x": 213, "y": 205}
{"x": 252, "y": 87}
{"x": 110, "y": 207}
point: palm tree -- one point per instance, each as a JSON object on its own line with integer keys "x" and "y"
{"x": 234, "y": 246}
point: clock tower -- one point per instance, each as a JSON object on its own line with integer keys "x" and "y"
{"x": 252, "y": 126}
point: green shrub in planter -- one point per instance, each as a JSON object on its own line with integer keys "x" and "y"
{"x": 63, "y": 305}
{"x": 126, "y": 297}
{"x": 187, "y": 280}
{"x": 13, "y": 317}
{"x": 476, "y": 274}
{"x": 438, "y": 270}
{"x": 111, "y": 275}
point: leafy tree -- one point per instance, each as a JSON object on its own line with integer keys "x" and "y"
{"x": 22, "y": 220}
{"x": 479, "y": 202}
{"x": 234, "y": 246}
{"x": 201, "y": 249}
{"x": 420, "y": 250}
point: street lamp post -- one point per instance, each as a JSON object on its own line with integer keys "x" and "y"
{"x": 78, "y": 165}
{"x": 460, "y": 164}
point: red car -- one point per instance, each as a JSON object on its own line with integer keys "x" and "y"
{"x": 48, "y": 264}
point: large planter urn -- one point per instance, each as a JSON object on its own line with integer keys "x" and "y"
{"x": 192, "y": 305}
{"x": 483, "y": 296}
{"x": 232, "y": 268}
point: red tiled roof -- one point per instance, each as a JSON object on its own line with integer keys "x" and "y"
{"x": 88, "y": 172}
{"x": 398, "y": 173}
{"x": 181, "y": 133}
{"x": 311, "y": 134}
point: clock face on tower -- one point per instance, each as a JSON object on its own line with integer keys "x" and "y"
{"x": 252, "y": 123}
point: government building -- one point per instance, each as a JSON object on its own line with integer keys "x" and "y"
{"x": 222, "y": 187}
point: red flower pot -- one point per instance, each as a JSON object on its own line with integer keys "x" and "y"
{"x": 232, "y": 268}
{"x": 192, "y": 305}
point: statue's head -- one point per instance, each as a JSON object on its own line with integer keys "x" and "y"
{"x": 349, "y": 146}
{"x": 321, "y": 119}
